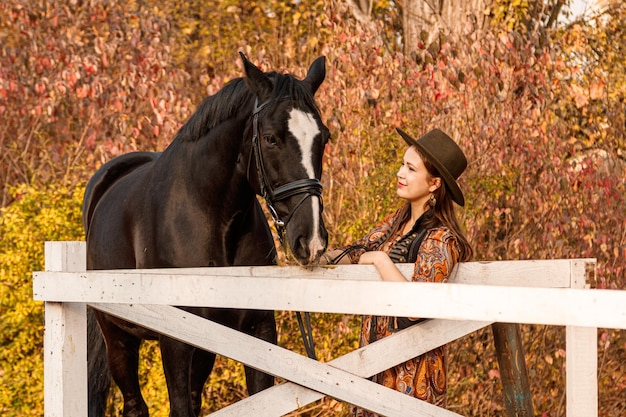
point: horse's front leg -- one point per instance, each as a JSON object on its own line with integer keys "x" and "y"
{"x": 123, "y": 357}
{"x": 263, "y": 327}
{"x": 177, "y": 359}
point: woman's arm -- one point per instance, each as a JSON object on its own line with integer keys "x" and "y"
{"x": 385, "y": 266}
{"x": 436, "y": 258}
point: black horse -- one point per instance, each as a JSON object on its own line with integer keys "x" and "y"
{"x": 195, "y": 205}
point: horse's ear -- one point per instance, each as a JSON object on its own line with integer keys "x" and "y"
{"x": 259, "y": 83}
{"x": 316, "y": 74}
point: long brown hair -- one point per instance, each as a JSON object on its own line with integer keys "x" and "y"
{"x": 443, "y": 214}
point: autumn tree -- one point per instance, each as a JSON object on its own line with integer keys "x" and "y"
{"x": 80, "y": 85}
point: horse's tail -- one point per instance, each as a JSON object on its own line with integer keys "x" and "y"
{"x": 99, "y": 375}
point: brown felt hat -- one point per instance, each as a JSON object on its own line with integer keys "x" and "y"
{"x": 446, "y": 157}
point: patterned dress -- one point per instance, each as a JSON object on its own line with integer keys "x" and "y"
{"x": 423, "y": 377}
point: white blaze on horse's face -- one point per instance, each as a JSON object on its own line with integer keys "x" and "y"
{"x": 304, "y": 128}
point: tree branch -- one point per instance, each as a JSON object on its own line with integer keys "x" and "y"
{"x": 356, "y": 8}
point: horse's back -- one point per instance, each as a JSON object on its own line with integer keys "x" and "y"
{"x": 107, "y": 175}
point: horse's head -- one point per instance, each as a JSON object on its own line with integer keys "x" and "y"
{"x": 286, "y": 148}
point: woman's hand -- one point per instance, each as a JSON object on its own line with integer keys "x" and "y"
{"x": 376, "y": 258}
{"x": 330, "y": 256}
{"x": 383, "y": 263}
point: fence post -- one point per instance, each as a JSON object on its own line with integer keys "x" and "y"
{"x": 511, "y": 360}
{"x": 65, "y": 339}
{"x": 581, "y": 362}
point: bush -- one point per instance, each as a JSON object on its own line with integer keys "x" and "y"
{"x": 35, "y": 217}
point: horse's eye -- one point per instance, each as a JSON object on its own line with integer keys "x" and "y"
{"x": 269, "y": 139}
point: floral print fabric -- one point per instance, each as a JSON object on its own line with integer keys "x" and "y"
{"x": 423, "y": 377}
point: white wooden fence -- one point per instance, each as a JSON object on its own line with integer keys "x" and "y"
{"x": 552, "y": 292}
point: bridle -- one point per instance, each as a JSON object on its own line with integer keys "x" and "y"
{"x": 307, "y": 186}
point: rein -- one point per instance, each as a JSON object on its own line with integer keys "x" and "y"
{"x": 307, "y": 186}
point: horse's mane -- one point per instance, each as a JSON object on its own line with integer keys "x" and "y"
{"x": 233, "y": 97}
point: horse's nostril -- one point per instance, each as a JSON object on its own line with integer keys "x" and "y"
{"x": 306, "y": 252}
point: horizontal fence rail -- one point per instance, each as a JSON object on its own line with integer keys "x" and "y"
{"x": 552, "y": 292}
{"x": 552, "y": 306}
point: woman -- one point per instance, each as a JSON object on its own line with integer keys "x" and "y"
{"x": 426, "y": 232}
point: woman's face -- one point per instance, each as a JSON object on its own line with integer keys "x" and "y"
{"x": 414, "y": 181}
